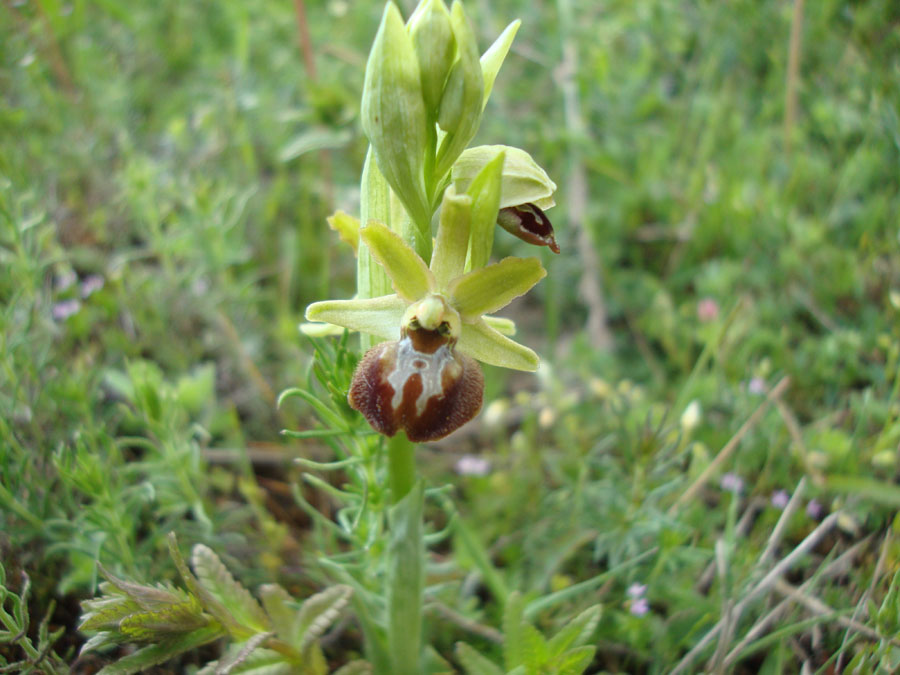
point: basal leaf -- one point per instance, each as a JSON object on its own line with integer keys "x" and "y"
{"x": 513, "y": 654}
{"x": 577, "y": 632}
{"x": 217, "y": 580}
{"x": 163, "y": 651}
{"x": 318, "y": 613}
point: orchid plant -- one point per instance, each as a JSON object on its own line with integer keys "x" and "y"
{"x": 425, "y": 310}
{"x": 425, "y": 92}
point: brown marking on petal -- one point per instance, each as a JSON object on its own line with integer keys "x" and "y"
{"x": 427, "y": 394}
{"x": 528, "y": 223}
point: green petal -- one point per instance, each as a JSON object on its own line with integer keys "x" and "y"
{"x": 410, "y": 275}
{"x": 449, "y": 259}
{"x": 483, "y": 343}
{"x": 493, "y": 287}
{"x": 376, "y": 316}
{"x": 493, "y": 58}
{"x": 485, "y": 191}
{"x": 500, "y": 324}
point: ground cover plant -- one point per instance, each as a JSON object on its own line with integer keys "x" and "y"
{"x": 702, "y": 476}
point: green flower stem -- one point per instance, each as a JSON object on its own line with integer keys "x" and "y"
{"x": 406, "y": 559}
{"x": 401, "y": 466}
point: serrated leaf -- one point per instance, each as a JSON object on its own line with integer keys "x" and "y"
{"x": 278, "y": 605}
{"x": 576, "y": 661}
{"x": 228, "y": 666}
{"x": 513, "y": 654}
{"x": 156, "y": 625}
{"x": 260, "y": 662}
{"x": 474, "y": 662}
{"x": 534, "y": 647}
{"x": 159, "y": 653}
{"x": 318, "y": 613}
{"x": 217, "y": 580}
{"x": 576, "y": 632}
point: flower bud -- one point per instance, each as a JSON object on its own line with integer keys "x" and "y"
{"x": 528, "y": 223}
{"x": 463, "y": 97}
{"x": 419, "y": 384}
{"x": 435, "y": 45}
{"x": 393, "y": 113}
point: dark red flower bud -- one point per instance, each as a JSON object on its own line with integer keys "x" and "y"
{"x": 418, "y": 384}
{"x": 528, "y": 223}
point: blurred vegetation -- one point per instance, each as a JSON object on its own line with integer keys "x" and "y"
{"x": 165, "y": 173}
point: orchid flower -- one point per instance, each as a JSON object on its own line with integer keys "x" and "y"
{"x": 426, "y": 379}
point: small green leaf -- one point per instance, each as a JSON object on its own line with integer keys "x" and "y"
{"x": 576, "y": 632}
{"x": 485, "y": 290}
{"x": 409, "y": 274}
{"x": 576, "y": 661}
{"x": 449, "y": 259}
{"x": 475, "y": 663}
{"x": 347, "y": 228}
{"x": 355, "y": 668}
{"x": 485, "y": 344}
{"x": 318, "y": 612}
{"x": 376, "y": 316}
{"x": 534, "y": 648}
{"x": 217, "y": 580}
{"x": 493, "y": 58}
{"x": 513, "y": 648}
{"x": 260, "y": 662}
{"x": 277, "y": 603}
{"x": 159, "y": 653}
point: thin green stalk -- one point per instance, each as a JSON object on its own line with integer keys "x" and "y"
{"x": 401, "y": 466}
{"x": 406, "y": 559}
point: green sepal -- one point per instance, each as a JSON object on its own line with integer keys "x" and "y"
{"x": 485, "y": 344}
{"x": 485, "y": 290}
{"x": 393, "y": 114}
{"x": 449, "y": 259}
{"x": 493, "y": 58}
{"x": 374, "y": 316}
{"x": 347, "y": 228}
{"x": 523, "y": 181}
{"x": 485, "y": 191}
{"x": 410, "y": 276}
{"x": 461, "y": 105}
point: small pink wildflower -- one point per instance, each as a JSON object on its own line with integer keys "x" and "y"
{"x": 814, "y": 509}
{"x": 472, "y": 465}
{"x": 63, "y": 310}
{"x": 732, "y": 483}
{"x": 756, "y": 386}
{"x": 91, "y": 285}
{"x": 707, "y": 310}
{"x": 636, "y": 590}
{"x": 780, "y": 499}
{"x": 639, "y": 607}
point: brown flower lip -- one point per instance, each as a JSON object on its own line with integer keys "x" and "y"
{"x": 419, "y": 384}
{"x": 528, "y": 223}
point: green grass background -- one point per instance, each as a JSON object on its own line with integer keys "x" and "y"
{"x": 185, "y": 154}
